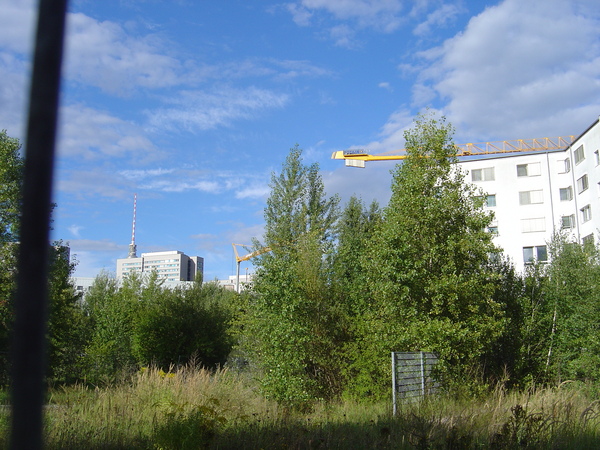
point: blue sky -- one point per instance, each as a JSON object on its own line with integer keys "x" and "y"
{"x": 194, "y": 104}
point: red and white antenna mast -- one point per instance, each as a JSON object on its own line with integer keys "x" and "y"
{"x": 132, "y": 246}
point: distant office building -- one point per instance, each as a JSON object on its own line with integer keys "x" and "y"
{"x": 232, "y": 282}
{"x": 83, "y": 284}
{"x": 170, "y": 266}
{"x": 534, "y": 194}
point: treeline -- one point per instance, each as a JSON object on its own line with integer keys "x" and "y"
{"x": 118, "y": 327}
{"x": 341, "y": 288}
{"x": 344, "y": 287}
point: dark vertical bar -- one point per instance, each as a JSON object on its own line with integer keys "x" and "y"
{"x": 28, "y": 357}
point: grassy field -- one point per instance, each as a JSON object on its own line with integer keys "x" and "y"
{"x": 191, "y": 409}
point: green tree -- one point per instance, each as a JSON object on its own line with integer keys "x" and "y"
{"x": 67, "y": 323}
{"x": 177, "y": 325}
{"x": 294, "y": 326}
{"x": 430, "y": 285}
{"x": 112, "y": 311}
{"x": 354, "y": 231}
{"x": 11, "y": 180}
{"x": 572, "y": 282}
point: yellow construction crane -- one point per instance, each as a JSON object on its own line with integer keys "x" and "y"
{"x": 359, "y": 157}
{"x": 246, "y": 257}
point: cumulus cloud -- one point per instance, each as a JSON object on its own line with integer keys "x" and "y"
{"x": 518, "y": 69}
{"x": 103, "y": 54}
{"x": 16, "y": 22}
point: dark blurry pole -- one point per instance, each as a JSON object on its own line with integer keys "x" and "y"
{"x": 29, "y": 346}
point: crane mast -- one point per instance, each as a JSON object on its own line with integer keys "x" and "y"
{"x": 239, "y": 259}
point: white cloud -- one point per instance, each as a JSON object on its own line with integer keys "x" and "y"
{"x": 212, "y": 187}
{"x": 255, "y": 191}
{"x": 200, "y": 110}
{"x": 103, "y": 54}
{"x": 437, "y": 18}
{"x": 380, "y": 14}
{"x": 17, "y": 24}
{"x": 520, "y": 69}
{"x": 75, "y": 230}
{"x": 300, "y": 15}
{"x": 139, "y": 174}
{"x": 385, "y": 85}
{"x": 97, "y": 181}
{"x": 12, "y": 94}
{"x": 93, "y": 134}
{"x": 95, "y": 256}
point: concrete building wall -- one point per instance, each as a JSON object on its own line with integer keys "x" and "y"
{"x": 532, "y": 195}
{"x": 170, "y": 266}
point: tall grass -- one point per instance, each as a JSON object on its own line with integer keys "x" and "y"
{"x": 192, "y": 408}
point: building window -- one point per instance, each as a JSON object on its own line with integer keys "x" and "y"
{"x": 586, "y": 213}
{"x": 533, "y": 225}
{"x": 564, "y": 166}
{"x": 566, "y": 194}
{"x": 531, "y": 197}
{"x": 531, "y": 254}
{"x": 597, "y": 157}
{"x": 567, "y": 222}
{"x": 486, "y": 174}
{"x": 493, "y": 230}
{"x": 582, "y": 184}
{"x": 588, "y": 240}
{"x": 579, "y": 155}
{"x": 490, "y": 200}
{"x": 529, "y": 170}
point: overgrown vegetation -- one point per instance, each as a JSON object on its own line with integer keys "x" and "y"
{"x": 301, "y": 360}
{"x": 192, "y": 408}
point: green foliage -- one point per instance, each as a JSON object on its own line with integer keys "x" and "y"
{"x": 68, "y": 326}
{"x": 143, "y": 322}
{"x": 66, "y": 322}
{"x": 354, "y": 230}
{"x": 294, "y": 323}
{"x": 571, "y": 286}
{"x": 176, "y": 325}
{"x": 430, "y": 287}
{"x": 112, "y": 311}
{"x": 11, "y": 180}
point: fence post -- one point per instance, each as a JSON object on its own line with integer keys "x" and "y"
{"x": 423, "y": 374}
{"x": 394, "y": 382}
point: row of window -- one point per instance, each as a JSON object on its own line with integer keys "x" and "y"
{"x": 534, "y": 169}
{"x": 538, "y": 224}
{"x": 540, "y": 252}
{"x": 157, "y": 261}
{"x": 537, "y": 197}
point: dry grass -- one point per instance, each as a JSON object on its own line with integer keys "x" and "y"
{"x": 193, "y": 408}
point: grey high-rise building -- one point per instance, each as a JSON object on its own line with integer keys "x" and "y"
{"x": 169, "y": 266}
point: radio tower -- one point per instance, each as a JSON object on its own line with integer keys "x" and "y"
{"x": 132, "y": 246}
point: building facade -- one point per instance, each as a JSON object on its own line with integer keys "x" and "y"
{"x": 170, "y": 266}
{"x": 534, "y": 194}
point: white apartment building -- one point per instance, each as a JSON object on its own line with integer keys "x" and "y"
{"x": 533, "y": 194}
{"x": 170, "y": 266}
